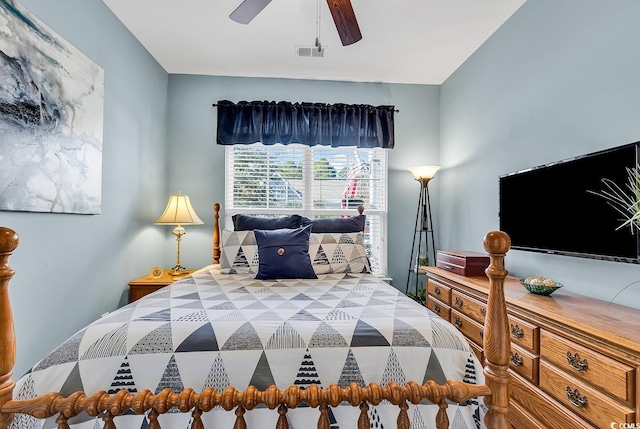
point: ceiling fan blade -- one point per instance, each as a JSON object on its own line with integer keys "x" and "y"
{"x": 248, "y": 10}
{"x": 345, "y": 19}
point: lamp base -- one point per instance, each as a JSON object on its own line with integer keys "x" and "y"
{"x": 178, "y": 271}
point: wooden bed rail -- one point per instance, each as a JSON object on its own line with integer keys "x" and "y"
{"x": 188, "y": 400}
{"x": 496, "y": 392}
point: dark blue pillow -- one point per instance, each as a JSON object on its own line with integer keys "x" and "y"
{"x": 337, "y": 224}
{"x": 284, "y": 254}
{"x": 243, "y": 222}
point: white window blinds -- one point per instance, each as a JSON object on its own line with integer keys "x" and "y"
{"x": 313, "y": 182}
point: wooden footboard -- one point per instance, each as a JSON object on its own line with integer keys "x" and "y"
{"x": 496, "y": 346}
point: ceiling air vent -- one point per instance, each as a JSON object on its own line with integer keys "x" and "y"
{"x": 309, "y": 52}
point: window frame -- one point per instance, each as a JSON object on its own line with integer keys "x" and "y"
{"x": 379, "y": 215}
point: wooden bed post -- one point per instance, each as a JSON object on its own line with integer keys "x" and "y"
{"x": 8, "y": 243}
{"x": 496, "y": 342}
{"x": 216, "y": 233}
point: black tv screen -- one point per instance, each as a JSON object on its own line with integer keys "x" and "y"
{"x": 550, "y": 208}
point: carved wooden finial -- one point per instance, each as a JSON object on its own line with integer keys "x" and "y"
{"x": 497, "y": 242}
{"x": 8, "y": 240}
{"x": 361, "y": 209}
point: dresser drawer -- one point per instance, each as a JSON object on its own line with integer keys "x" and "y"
{"x": 524, "y": 363}
{"x": 521, "y": 419}
{"x": 583, "y": 399}
{"x": 468, "y": 306}
{"x": 549, "y": 413}
{"x": 613, "y": 377}
{"x": 470, "y": 328}
{"x": 524, "y": 333}
{"x": 438, "y": 307}
{"x": 439, "y": 290}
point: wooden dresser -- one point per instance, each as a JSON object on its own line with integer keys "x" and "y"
{"x": 575, "y": 361}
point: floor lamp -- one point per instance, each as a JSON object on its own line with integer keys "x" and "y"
{"x": 423, "y": 230}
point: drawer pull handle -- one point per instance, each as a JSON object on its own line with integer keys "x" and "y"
{"x": 516, "y": 360}
{"x": 459, "y": 302}
{"x": 576, "y": 399}
{"x": 577, "y": 363}
{"x": 437, "y": 290}
{"x": 436, "y": 308}
{"x": 516, "y": 331}
{"x": 458, "y": 322}
{"x": 483, "y": 311}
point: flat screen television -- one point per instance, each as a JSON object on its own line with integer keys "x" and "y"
{"x": 550, "y": 208}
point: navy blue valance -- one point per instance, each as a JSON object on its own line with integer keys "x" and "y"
{"x": 336, "y": 125}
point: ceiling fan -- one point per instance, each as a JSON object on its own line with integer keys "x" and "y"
{"x": 341, "y": 10}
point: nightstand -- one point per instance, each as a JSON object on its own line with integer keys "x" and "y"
{"x": 145, "y": 285}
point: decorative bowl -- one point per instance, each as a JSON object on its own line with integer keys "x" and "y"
{"x": 540, "y": 289}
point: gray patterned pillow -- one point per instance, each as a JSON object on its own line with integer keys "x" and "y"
{"x": 239, "y": 253}
{"x": 330, "y": 253}
{"x": 338, "y": 253}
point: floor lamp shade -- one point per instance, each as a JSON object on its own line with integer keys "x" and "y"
{"x": 179, "y": 212}
{"x": 424, "y": 172}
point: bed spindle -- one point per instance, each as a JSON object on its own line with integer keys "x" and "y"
{"x": 196, "y": 423}
{"x": 403, "y": 417}
{"x": 323, "y": 420}
{"x": 363, "y": 420}
{"x": 62, "y": 422}
{"x": 282, "y": 422}
{"x": 442, "y": 419}
{"x": 240, "y": 423}
{"x": 108, "y": 421}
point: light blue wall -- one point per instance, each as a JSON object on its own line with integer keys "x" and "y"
{"x": 558, "y": 79}
{"x": 196, "y": 165}
{"x": 59, "y": 253}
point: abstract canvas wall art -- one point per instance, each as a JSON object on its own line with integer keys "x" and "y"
{"x": 51, "y": 119}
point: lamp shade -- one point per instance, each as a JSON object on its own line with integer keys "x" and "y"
{"x": 424, "y": 172}
{"x": 179, "y": 212}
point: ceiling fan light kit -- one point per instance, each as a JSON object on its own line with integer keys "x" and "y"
{"x": 342, "y": 13}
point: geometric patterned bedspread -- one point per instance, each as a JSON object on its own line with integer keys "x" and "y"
{"x": 217, "y": 330}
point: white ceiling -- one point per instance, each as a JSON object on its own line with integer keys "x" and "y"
{"x": 403, "y": 41}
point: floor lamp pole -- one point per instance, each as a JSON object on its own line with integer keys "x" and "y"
{"x": 430, "y": 224}
{"x": 416, "y": 232}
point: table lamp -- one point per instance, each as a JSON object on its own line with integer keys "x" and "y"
{"x": 179, "y": 212}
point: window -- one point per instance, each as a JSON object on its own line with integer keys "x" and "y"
{"x": 313, "y": 182}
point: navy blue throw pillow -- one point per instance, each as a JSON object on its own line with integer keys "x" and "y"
{"x": 284, "y": 254}
{"x": 242, "y": 222}
{"x": 338, "y": 224}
